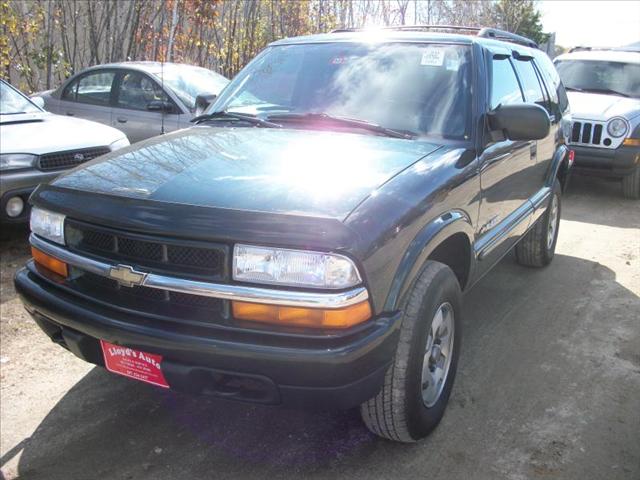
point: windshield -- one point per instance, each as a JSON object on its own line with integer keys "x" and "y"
{"x": 420, "y": 88}
{"x": 12, "y": 102}
{"x": 189, "y": 82}
{"x": 601, "y": 76}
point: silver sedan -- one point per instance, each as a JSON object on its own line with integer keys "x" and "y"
{"x": 143, "y": 99}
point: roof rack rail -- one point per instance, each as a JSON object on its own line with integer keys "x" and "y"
{"x": 414, "y": 28}
{"x": 507, "y": 36}
{"x": 480, "y": 32}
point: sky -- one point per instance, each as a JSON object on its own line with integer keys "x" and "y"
{"x": 592, "y": 23}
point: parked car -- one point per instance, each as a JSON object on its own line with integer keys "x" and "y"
{"x": 143, "y": 99}
{"x": 308, "y": 241}
{"x": 35, "y": 146}
{"x": 604, "y": 93}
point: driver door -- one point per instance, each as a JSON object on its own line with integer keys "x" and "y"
{"x": 508, "y": 176}
{"x": 135, "y": 91}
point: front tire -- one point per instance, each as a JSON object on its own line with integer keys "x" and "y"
{"x": 631, "y": 185}
{"x": 538, "y": 246}
{"x": 419, "y": 381}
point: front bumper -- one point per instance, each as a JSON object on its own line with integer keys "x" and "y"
{"x": 20, "y": 183}
{"x": 338, "y": 371}
{"x": 618, "y": 162}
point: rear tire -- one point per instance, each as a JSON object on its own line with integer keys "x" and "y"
{"x": 538, "y": 246}
{"x": 406, "y": 410}
{"x": 631, "y": 185}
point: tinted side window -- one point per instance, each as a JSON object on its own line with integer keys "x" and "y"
{"x": 95, "y": 88}
{"x": 137, "y": 91}
{"x": 504, "y": 84}
{"x": 530, "y": 84}
{"x": 550, "y": 73}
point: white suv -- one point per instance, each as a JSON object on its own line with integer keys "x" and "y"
{"x": 604, "y": 93}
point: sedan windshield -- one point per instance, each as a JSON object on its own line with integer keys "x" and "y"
{"x": 601, "y": 77}
{"x": 13, "y": 102}
{"x": 188, "y": 82}
{"x": 424, "y": 89}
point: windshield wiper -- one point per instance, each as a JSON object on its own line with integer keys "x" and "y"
{"x": 597, "y": 90}
{"x": 244, "y": 117}
{"x": 605, "y": 90}
{"x": 350, "y": 122}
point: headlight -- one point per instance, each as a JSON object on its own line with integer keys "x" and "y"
{"x": 12, "y": 161}
{"x": 617, "y": 127}
{"x": 48, "y": 224}
{"x": 123, "y": 142}
{"x": 294, "y": 268}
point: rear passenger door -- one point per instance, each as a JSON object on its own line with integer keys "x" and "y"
{"x": 135, "y": 108}
{"x": 507, "y": 174}
{"x": 89, "y": 96}
{"x": 535, "y": 92}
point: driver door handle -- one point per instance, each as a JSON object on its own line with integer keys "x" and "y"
{"x": 122, "y": 119}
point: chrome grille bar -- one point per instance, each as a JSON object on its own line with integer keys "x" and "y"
{"x": 291, "y": 298}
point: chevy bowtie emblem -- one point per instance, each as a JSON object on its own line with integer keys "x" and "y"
{"x": 79, "y": 157}
{"x": 127, "y": 276}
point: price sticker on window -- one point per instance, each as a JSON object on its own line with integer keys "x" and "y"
{"x": 432, "y": 57}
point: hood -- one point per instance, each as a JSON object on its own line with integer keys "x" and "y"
{"x": 40, "y": 133}
{"x": 301, "y": 172}
{"x": 596, "y": 106}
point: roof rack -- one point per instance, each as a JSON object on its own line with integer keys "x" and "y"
{"x": 480, "y": 32}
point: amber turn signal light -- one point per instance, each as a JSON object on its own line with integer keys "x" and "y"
{"x": 631, "y": 142}
{"x": 49, "y": 262}
{"x": 302, "y": 317}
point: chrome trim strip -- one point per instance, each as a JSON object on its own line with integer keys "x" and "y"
{"x": 540, "y": 197}
{"x": 290, "y": 298}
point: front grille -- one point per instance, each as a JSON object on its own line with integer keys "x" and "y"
{"x": 589, "y": 133}
{"x": 186, "y": 259}
{"x": 70, "y": 158}
{"x": 148, "y": 300}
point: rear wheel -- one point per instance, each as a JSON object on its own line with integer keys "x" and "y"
{"x": 538, "y": 246}
{"x": 631, "y": 184}
{"x": 419, "y": 381}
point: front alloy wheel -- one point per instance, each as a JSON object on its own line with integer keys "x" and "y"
{"x": 418, "y": 383}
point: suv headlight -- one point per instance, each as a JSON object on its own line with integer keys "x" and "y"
{"x": 294, "y": 268}
{"x": 617, "y": 127}
{"x": 13, "y": 161}
{"x": 48, "y": 224}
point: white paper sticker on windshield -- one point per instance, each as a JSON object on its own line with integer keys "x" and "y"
{"x": 433, "y": 57}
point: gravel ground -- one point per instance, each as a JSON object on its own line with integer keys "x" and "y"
{"x": 548, "y": 386}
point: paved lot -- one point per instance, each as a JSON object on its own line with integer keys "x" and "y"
{"x": 548, "y": 386}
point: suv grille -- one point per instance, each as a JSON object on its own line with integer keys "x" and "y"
{"x": 588, "y": 133}
{"x": 70, "y": 158}
{"x": 179, "y": 258}
{"x": 199, "y": 260}
{"x": 148, "y": 300}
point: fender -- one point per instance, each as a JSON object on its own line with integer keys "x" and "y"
{"x": 423, "y": 244}
{"x": 559, "y": 155}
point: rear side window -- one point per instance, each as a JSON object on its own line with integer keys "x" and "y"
{"x": 93, "y": 88}
{"x": 530, "y": 83}
{"x": 558, "y": 94}
{"x": 505, "y": 88}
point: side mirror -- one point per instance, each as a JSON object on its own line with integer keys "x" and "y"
{"x": 160, "y": 106}
{"x": 39, "y": 101}
{"x": 525, "y": 121}
{"x": 203, "y": 101}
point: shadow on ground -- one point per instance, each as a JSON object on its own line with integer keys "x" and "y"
{"x": 111, "y": 427}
